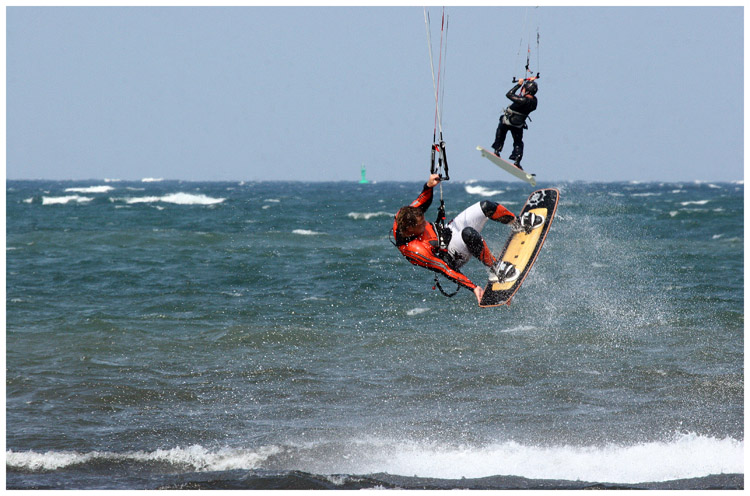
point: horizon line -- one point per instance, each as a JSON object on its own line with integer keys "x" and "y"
{"x": 373, "y": 181}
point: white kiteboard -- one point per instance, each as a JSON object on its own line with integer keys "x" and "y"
{"x": 508, "y": 167}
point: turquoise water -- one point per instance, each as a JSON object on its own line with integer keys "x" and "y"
{"x": 176, "y": 334}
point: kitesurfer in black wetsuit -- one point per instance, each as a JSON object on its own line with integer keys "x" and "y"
{"x": 514, "y": 119}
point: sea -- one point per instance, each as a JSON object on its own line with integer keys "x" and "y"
{"x": 165, "y": 334}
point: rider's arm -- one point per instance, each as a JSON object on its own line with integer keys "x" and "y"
{"x": 424, "y": 200}
{"x": 420, "y": 254}
{"x": 511, "y": 95}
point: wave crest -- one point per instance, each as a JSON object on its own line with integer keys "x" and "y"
{"x": 62, "y": 200}
{"x": 482, "y": 191}
{"x": 685, "y": 456}
{"x": 368, "y": 215}
{"x": 90, "y": 189}
{"x": 174, "y": 198}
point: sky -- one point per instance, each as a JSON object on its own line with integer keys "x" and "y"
{"x": 314, "y": 93}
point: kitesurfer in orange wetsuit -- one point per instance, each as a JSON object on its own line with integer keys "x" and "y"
{"x": 419, "y": 240}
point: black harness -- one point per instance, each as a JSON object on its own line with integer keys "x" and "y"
{"x": 444, "y": 235}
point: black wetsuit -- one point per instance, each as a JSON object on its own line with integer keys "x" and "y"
{"x": 514, "y": 120}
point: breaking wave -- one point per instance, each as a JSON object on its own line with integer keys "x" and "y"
{"x": 62, "y": 200}
{"x": 175, "y": 198}
{"x": 686, "y": 455}
{"x": 90, "y": 189}
{"x": 482, "y": 191}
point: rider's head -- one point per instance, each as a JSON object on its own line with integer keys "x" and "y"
{"x": 410, "y": 221}
{"x": 530, "y": 88}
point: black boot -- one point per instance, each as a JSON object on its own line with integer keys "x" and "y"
{"x": 516, "y": 160}
{"x": 516, "y": 156}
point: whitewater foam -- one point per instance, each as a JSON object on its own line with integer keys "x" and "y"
{"x": 367, "y": 215}
{"x": 90, "y": 189}
{"x": 174, "y": 198}
{"x": 194, "y": 457}
{"x": 686, "y": 456}
{"x": 482, "y": 191}
{"x": 416, "y": 311}
{"x": 62, "y": 200}
{"x": 520, "y": 328}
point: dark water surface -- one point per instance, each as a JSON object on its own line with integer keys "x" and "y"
{"x": 266, "y": 335}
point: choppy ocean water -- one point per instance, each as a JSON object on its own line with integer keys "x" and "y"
{"x": 165, "y": 334}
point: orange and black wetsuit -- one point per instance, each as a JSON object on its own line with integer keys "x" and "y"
{"x": 423, "y": 250}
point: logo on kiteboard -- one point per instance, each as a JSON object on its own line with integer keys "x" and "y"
{"x": 536, "y": 198}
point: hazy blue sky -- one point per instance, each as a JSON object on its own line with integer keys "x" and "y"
{"x": 311, "y": 93}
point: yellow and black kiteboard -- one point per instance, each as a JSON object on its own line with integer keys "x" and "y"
{"x": 523, "y": 247}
